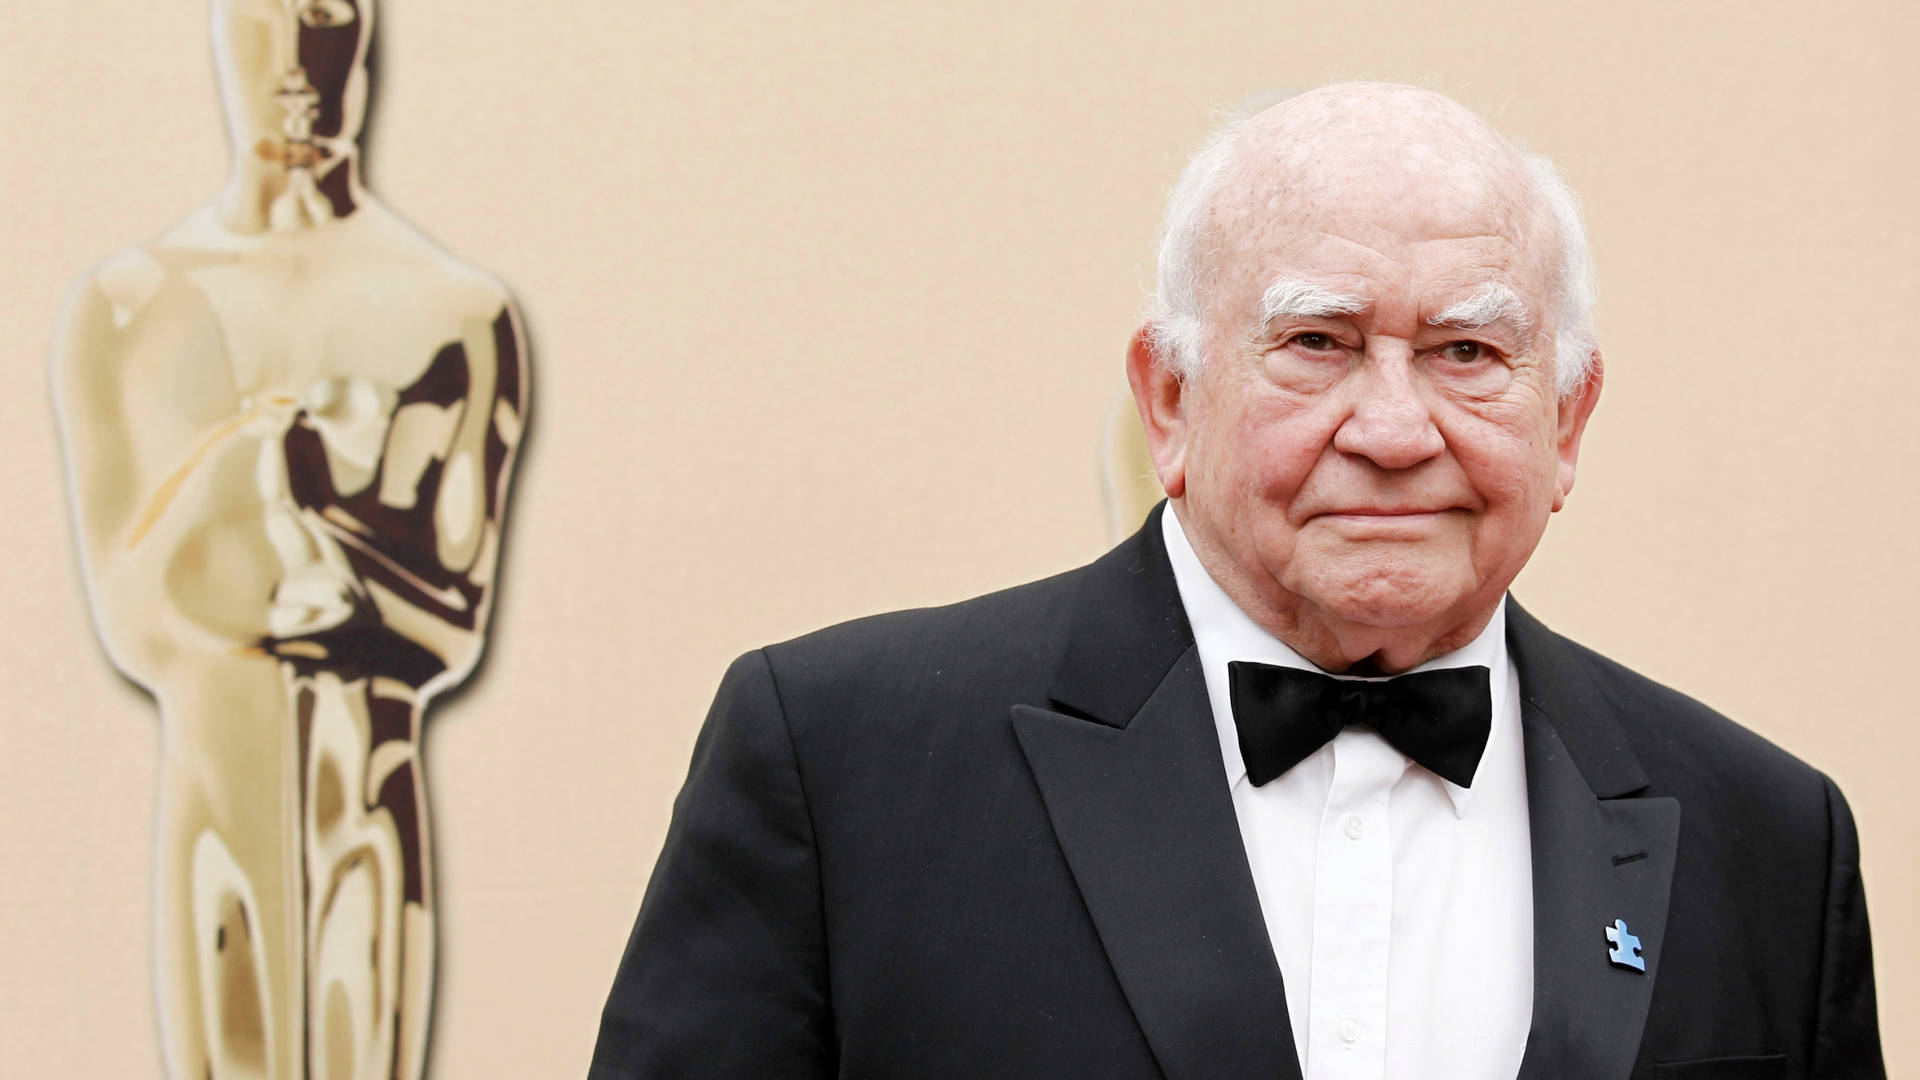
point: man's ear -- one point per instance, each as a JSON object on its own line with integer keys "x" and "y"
{"x": 1159, "y": 394}
{"x": 1574, "y": 409}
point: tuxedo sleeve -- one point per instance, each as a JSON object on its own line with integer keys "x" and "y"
{"x": 725, "y": 975}
{"x": 1847, "y": 1038}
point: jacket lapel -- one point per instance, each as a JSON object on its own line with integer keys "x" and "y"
{"x": 1129, "y": 767}
{"x": 1601, "y": 851}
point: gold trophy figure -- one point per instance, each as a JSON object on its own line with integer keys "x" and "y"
{"x": 289, "y": 424}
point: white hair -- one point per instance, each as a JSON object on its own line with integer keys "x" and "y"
{"x": 1575, "y": 345}
{"x": 1186, "y": 263}
{"x": 1174, "y": 319}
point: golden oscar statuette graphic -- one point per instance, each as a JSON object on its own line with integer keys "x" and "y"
{"x": 289, "y": 423}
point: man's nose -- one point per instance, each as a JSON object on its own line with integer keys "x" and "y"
{"x": 1390, "y": 423}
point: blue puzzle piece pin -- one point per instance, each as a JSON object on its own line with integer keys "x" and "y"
{"x": 1626, "y": 947}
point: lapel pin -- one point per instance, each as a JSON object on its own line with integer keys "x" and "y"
{"x": 1626, "y": 947}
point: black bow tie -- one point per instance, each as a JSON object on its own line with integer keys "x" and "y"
{"x": 1440, "y": 718}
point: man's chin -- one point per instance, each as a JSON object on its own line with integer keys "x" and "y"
{"x": 1387, "y": 600}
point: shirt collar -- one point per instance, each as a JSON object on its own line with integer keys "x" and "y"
{"x": 1224, "y": 633}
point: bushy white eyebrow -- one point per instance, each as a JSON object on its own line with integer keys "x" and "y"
{"x": 1491, "y": 303}
{"x": 1291, "y": 297}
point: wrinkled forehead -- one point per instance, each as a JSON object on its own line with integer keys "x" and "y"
{"x": 1383, "y": 170}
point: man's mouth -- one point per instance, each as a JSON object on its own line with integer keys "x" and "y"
{"x": 1385, "y": 512}
{"x": 1383, "y": 521}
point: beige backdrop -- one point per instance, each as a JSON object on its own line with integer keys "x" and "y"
{"x": 827, "y": 303}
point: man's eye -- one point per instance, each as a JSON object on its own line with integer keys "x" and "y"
{"x": 1314, "y": 342}
{"x": 1465, "y": 352}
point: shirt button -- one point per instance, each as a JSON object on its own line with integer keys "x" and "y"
{"x": 1350, "y": 1030}
{"x": 1355, "y": 826}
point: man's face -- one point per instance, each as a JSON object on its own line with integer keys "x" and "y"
{"x": 1365, "y": 481}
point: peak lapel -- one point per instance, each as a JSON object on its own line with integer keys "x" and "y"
{"x": 1147, "y": 825}
{"x": 1129, "y": 767}
{"x": 1602, "y": 851}
{"x": 1127, "y": 629}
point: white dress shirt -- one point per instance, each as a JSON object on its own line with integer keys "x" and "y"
{"x": 1400, "y": 905}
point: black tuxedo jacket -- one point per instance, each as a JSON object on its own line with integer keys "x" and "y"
{"x": 995, "y": 840}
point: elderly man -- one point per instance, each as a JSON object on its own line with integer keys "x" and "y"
{"x": 1284, "y": 785}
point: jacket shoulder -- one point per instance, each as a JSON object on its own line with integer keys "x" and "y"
{"x": 999, "y": 646}
{"x": 1687, "y": 748}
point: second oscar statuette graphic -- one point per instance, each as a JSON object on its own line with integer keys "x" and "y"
{"x": 289, "y": 426}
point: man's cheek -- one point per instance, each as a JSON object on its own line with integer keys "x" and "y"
{"x": 1502, "y": 463}
{"x": 1279, "y": 469}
